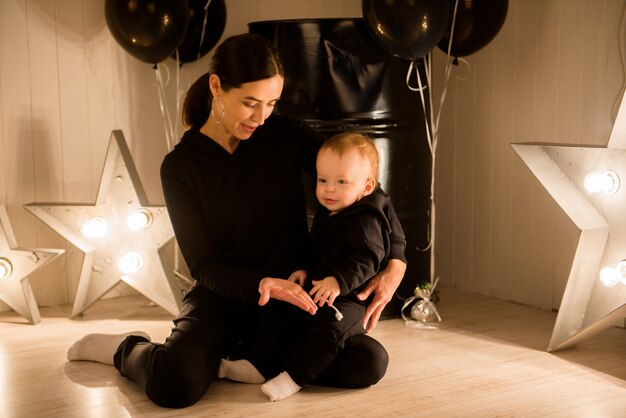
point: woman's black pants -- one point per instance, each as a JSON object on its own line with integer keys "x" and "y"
{"x": 177, "y": 373}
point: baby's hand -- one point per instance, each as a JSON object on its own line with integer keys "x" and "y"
{"x": 325, "y": 291}
{"x": 298, "y": 276}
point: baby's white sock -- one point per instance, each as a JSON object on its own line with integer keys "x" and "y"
{"x": 99, "y": 347}
{"x": 240, "y": 371}
{"x": 280, "y": 387}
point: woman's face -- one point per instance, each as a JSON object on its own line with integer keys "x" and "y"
{"x": 247, "y": 107}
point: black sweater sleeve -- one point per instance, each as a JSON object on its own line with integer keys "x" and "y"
{"x": 367, "y": 252}
{"x": 397, "y": 238}
{"x": 201, "y": 253}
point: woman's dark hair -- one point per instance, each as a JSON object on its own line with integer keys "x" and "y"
{"x": 239, "y": 59}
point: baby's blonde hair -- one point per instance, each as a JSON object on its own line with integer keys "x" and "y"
{"x": 345, "y": 141}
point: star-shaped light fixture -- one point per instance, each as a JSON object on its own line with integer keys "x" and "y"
{"x": 589, "y": 183}
{"x": 15, "y": 267}
{"x": 122, "y": 236}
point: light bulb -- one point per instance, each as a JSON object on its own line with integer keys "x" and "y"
{"x": 139, "y": 219}
{"x": 130, "y": 263}
{"x": 610, "y": 276}
{"x": 6, "y": 268}
{"x": 607, "y": 182}
{"x": 95, "y": 227}
{"x": 621, "y": 268}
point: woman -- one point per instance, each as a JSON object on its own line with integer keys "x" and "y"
{"x": 233, "y": 189}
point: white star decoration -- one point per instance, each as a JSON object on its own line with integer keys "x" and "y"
{"x": 588, "y": 306}
{"x": 120, "y": 195}
{"x": 15, "y": 267}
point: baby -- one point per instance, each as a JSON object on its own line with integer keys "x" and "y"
{"x": 351, "y": 243}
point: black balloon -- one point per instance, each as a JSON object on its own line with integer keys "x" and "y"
{"x": 477, "y": 23}
{"x": 149, "y": 30}
{"x": 407, "y": 29}
{"x": 197, "y": 43}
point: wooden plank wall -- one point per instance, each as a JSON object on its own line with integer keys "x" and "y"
{"x": 554, "y": 73}
{"x": 64, "y": 85}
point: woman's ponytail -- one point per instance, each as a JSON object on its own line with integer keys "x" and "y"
{"x": 197, "y": 104}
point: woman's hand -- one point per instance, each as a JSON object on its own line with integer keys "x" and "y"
{"x": 384, "y": 285}
{"x": 270, "y": 287}
{"x": 325, "y": 290}
{"x": 298, "y": 276}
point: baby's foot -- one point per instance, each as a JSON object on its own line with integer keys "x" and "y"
{"x": 240, "y": 371}
{"x": 281, "y": 387}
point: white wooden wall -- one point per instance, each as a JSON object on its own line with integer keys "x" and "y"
{"x": 64, "y": 85}
{"x": 553, "y": 74}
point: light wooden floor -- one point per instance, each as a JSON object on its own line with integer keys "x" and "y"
{"x": 487, "y": 359}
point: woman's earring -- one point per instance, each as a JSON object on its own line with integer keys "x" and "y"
{"x": 223, "y": 110}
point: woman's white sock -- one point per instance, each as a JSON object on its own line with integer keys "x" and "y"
{"x": 240, "y": 371}
{"x": 99, "y": 347}
{"x": 280, "y": 387}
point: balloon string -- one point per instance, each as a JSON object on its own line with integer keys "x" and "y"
{"x": 456, "y": 6}
{"x": 469, "y": 68}
{"x": 432, "y": 134}
{"x": 169, "y": 137}
{"x": 163, "y": 99}
{"x": 448, "y": 68}
{"x": 206, "y": 17}
{"x": 447, "y": 72}
{"x": 167, "y": 75}
{"x": 178, "y": 96}
{"x": 408, "y": 78}
{"x": 421, "y": 92}
{"x": 177, "y": 259}
{"x": 432, "y": 146}
{"x": 167, "y": 124}
{"x": 432, "y": 142}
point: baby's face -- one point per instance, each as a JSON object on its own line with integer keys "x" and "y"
{"x": 341, "y": 179}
